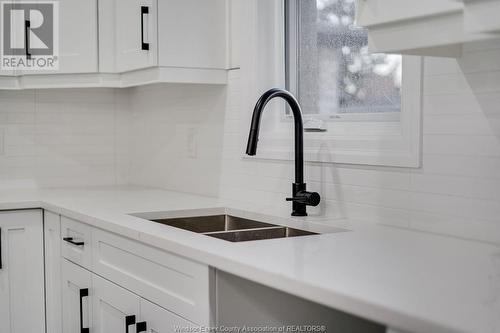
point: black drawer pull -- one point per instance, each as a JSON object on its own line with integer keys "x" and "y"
{"x": 129, "y": 320}
{"x": 141, "y": 327}
{"x": 71, "y": 241}
{"x": 83, "y": 293}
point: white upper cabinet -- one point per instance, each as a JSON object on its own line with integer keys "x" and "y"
{"x": 175, "y": 40}
{"x": 78, "y": 36}
{"x": 193, "y": 33}
{"x": 128, "y": 35}
{"x": 15, "y": 38}
{"x": 482, "y": 16}
{"x": 74, "y": 40}
{"x": 427, "y": 27}
{"x": 125, "y": 43}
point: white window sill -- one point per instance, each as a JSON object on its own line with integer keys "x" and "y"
{"x": 325, "y": 155}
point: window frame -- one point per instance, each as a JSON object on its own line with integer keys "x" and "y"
{"x": 364, "y": 139}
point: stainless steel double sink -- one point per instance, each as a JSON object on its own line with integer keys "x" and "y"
{"x": 232, "y": 228}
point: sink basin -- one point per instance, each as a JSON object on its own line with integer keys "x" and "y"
{"x": 258, "y": 234}
{"x": 232, "y": 228}
{"x": 203, "y": 224}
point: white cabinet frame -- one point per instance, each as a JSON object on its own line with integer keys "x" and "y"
{"x": 427, "y": 27}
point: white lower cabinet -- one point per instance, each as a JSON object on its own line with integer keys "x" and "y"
{"x": 76, "y": 305}
{"x": 115, "y": 310}
{"x": 113, "y": 284}
{"x": 159, "y": 320}
{"x": 21, "y": 272}
{"x": 94, "y": 304}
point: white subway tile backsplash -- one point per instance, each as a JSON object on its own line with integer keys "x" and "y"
{"x": 462, "y": 83}
{"x": 471, "y": 229}
{"x": 471, "y": 166}
{"x": 462, "y": 125}
{"x": 176, "y": 137}
{"x": 59, "y": 138}
{"x": 444, "y": 144}
{"x": 456, "y": 206}
{"x": 365, "y": 195}
{"x": 466, "y": 187}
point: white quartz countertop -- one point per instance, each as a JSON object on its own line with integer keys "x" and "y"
{"x": 407, "y": 280}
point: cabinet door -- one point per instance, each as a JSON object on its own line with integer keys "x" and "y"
{"x": 75, "y": 37}
{"x": 52, "y": 235}
{"x": 78, "y": 36}
{"x": 127, "y": 35}
{"x": 159, "y": 320}
{"x": 76, "y": 293}
{"x": 115, "y": 310}
{"x": 17, "y": 39}
{"x": 21, "y": 272}
{"x": 193, "y": 33}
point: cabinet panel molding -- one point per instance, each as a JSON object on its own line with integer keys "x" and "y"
{"x": 53, "y": 296}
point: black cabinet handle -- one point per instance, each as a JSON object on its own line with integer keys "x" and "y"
{"x": 71, "y": 241}
{"x": 141, "y": 327}
{"x": 83, "y": 293}
{"x": 144, "y": 11}
{"x": 27, "y": 26}
{"x": 129, "y": 320}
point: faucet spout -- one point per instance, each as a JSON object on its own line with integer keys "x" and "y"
{"x": 253, "y": 136}
{"x": 300, "y": 197}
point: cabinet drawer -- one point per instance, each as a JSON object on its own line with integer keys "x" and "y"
{"x": 175, "y": 283}
{"x": 76, "y": 243}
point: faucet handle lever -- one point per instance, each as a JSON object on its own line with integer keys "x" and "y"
{"x": 306, "y": 198}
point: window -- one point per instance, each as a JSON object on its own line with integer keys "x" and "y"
{"x": 365, "y": 108}
{"x": 329, "y": 67}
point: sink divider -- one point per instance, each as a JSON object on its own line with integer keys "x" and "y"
{"x": 241, "y": 230}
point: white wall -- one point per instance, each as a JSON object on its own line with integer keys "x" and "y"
{"x": 457, "y": 190}
{"x": 61, "y": 138}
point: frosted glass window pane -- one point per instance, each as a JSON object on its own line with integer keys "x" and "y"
{"x": 336, "y": 74}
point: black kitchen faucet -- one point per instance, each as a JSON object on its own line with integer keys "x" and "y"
{"x": 300, "y": 197}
